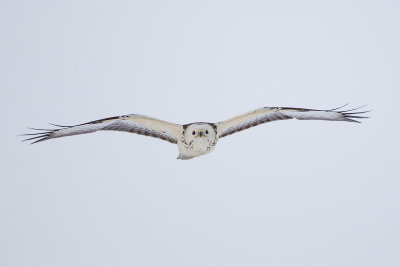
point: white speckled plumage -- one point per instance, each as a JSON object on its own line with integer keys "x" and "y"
{"x": 195, "y": 139}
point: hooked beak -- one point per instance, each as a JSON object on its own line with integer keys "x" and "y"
{"x": 200, "y": 133}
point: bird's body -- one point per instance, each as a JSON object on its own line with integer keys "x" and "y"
{"x": 195, "y": 139}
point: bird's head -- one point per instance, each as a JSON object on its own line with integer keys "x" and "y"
{"x": 200, "y": 132}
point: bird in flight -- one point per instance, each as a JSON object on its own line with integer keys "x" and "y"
{"x": 197, "y": 138}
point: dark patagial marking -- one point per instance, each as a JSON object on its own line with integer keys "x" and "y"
{"x": 251, "y": 123}
{"x": 103, "y": 120}
{"x": 297, "y": 109}
{"x": 142, "y": 131}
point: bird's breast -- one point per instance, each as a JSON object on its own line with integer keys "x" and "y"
{"x": 196, "y": 147}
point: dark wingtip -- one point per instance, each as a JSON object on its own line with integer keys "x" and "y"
{"x": 44, "y": 136}
{"x": 41, "y": 136}
{"x": 57, "y": 125}
{"x": 339, "y": 107}
{"x": 350, "y": 120}
{"x": 343, "y": 111}
{"x": 359, "y": 112}
{"x": 350, "y": 116}
{"x": 357, "y": 117}
{"x": 40, "y": 140}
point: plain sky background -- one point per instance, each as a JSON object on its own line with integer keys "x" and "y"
{"x": 287, "y": 193}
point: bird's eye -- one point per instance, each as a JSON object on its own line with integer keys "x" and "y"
{"x": 206, "y": 131}
{"x": 193, "y": 132}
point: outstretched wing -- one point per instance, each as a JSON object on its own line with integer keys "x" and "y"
{"x": 138, "y": 124}
{"x": 267, "y": 114}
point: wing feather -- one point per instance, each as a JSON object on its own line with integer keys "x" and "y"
{"x": 138, "y": 124}
{"x": 268, "y": 114}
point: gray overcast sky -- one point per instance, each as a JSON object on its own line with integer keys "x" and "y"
{"x": 287, "y": 193}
